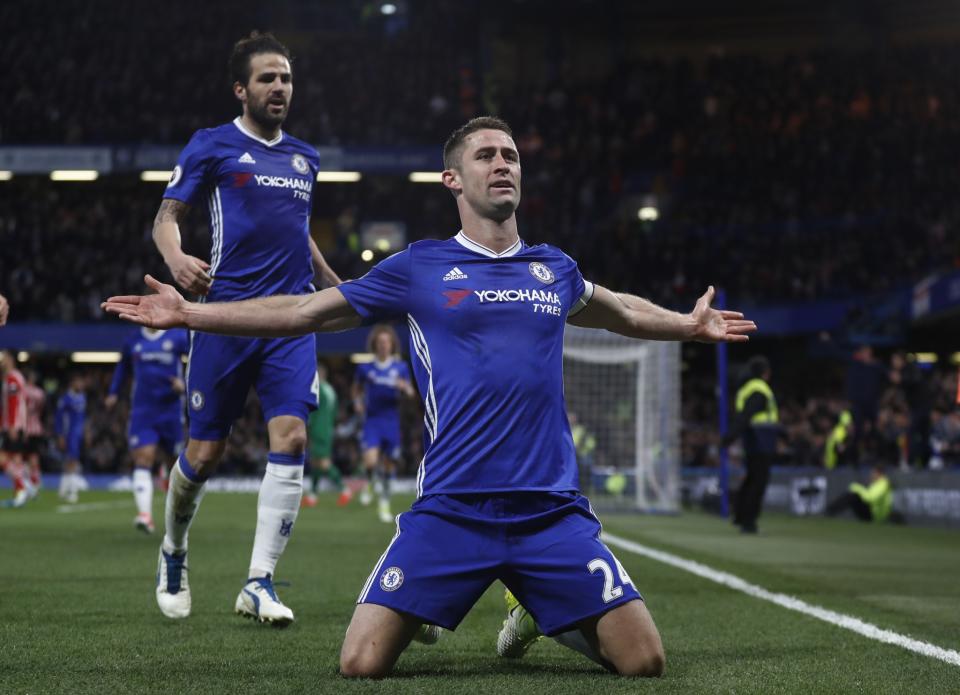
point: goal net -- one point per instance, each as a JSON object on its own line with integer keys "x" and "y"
{"x": 623, "y": 401}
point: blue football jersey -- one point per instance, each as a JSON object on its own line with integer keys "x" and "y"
{"x": 71, "y": 413}
{"x": 154, "y": 359}
{"x": 258, "y": 194}
{"x": 379, "y": 380}
{"x": 486, "y": 330}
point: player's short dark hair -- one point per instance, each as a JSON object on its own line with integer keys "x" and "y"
{"x": 249, "y": 46}
{"x": 454, "y": 145}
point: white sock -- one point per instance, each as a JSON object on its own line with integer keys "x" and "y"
{"x": 575, "y": 640}
{"x": 183, "y": 498}
{"x": 143, "y": 490}
{"x": 277, "y": 508}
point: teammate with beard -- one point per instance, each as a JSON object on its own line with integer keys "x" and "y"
{"x": 257, "y": 184}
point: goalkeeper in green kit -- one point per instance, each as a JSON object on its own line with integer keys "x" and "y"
{"x": 320, "y": 427}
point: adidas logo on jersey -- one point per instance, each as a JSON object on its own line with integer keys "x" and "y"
{"x": 247, "y": 159}
{"x": 455, "y": 274}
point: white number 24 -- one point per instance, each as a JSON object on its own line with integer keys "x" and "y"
{"x": 610, "y": 592}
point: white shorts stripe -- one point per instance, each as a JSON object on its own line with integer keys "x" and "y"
{"x": 376, "y": 570}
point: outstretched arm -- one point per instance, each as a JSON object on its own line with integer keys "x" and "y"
{"x": 267, "y": 317}
{"x": 635, "y": 317}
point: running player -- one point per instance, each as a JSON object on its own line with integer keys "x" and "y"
{"x": 13, "y": 427}
{"x": 155, "y": 361}
{"x": 36, "y": 442}
{"x": 69, "y": 426}
{"x": 497, "y": 488}
{"x": 257, "y": 184}
{"x": 377, "y": 388}
{"x": 320, "y": 428}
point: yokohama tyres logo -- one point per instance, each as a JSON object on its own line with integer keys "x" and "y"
{"x": 541, "y": 296}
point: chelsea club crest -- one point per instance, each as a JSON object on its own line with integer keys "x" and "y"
{"x": 391, "y": 579}
{"x": 542, "y": 273}
{"x": 299, "y": 164}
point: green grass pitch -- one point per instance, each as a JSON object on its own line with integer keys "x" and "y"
{"x": 77, "y": 610}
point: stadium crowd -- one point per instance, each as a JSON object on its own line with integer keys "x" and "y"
{"x": 783, "y": 184}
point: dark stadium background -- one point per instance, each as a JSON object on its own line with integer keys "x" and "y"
{"x": 800, "y": 155}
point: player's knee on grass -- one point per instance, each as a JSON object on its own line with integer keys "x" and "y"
{"x": 643, "y": 662}
{"x": 376, "y": 637}
{"x": 628, "y": 639}
{"x": 358, "y": 663}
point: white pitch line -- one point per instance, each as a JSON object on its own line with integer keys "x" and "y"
{"x": 91, "y": 507}
{"x": 847, "y": 622}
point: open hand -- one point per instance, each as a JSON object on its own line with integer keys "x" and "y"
{"x": 165, "y": 309}
{"x": 719, "y": 326}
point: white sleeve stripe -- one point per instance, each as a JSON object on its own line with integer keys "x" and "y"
{"x": 581, "y": 303}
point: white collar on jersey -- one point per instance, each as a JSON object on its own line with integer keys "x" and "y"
{"x": 151, "y": 333}
{"x": 269, "y": 143}
{"x": 469, "y": 243}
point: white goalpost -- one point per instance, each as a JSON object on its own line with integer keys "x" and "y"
{"x": 623, "y": 400}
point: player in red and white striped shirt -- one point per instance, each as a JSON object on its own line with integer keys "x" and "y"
{"x": 13, "y": 425}
{"x": 36, "y": 435}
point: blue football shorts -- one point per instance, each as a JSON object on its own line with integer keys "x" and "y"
{"x": 383, "y": 432}
{"x": 223, "y": 368}
{"x": 545, "y": 547}
{"x": 74, "y": 445}
{"x": 164, "y": 430}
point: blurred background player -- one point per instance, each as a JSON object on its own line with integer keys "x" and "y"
{"x": 320, "y": 428}
{"x": 257, "y": 184}
{"x": 155, "y": 361}
{"x": 378, "y": 386}
{"x": 36, "y": 440}
{"x": 13, "y": 430}
{"x": 69, "y": 426}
